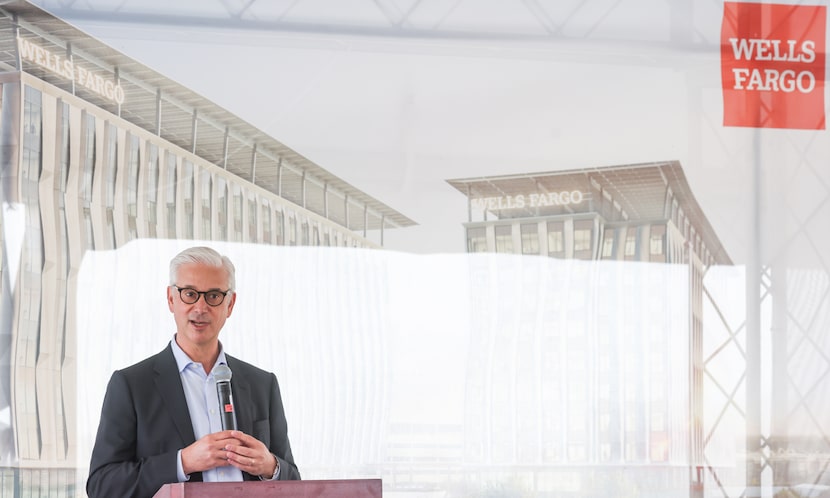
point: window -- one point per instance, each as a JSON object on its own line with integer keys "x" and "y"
{"x": 222, "y": 208}
{"x": 62, "y": 179}
{"x": 504, "y": 239}
{"x": 292, "y": 231}
{"x": 280, "y": 221}
{"x": 110, "y": 167}
{"x": 31, "y": 254}
{"x": 631, "y": 243}
{"x": 556, "y": 239}
{"x": 530, "y": 238}
{"x": 188, "y": 195}
{"x": 170, "y": 164}
{"x": 608, "y": 244}
{"x": 238, "y": 209}
{"x": 657, "y": 243}
{"x": 476, "y": 239}
{"x": 206, "y": 203}
{"x": 88, "y": 169}
{"x": 64, "y": 152}
{"x": 88, "y": 160}
{"x": 252, "y": 219}
{"x": 583, "y": 239}
{"x": 304, "y": 233}
{"x": 151, "y": 189}
{"x": 267, "y": 236}
{"x": 133, "y": 161}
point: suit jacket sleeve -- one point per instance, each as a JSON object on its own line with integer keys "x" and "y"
{"x": 115, "y": 467}
{"x": 279, "y": 444}
{"x": 260, "y": 413}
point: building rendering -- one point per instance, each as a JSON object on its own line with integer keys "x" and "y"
{"x": 641, "y": 212}
{"x": 97, "y": 150}
{"x": 610, "y": 333}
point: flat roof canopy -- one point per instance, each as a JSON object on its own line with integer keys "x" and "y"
{"x": 188, "y": 120}
{"x": 640, "y": 190}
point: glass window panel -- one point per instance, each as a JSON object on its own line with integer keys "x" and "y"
{"x": 304, "y": 240}
{"x": 477, "y": 239}
{"x": 530, "y": 238}
{"x": 292, "y": 230}
{"x": 657, "y": 243}
{"x": 222, "y": 208}
{"x": 504, "y": 238}
{"x": 631, "y": 243}
{"x": 133, "y": 162}
{"x": 280, "y": 228}
{"x": 151, "y": 189}
{"x": 188, "y": 198}
{"x": 111, "y": 170}
{"x": 556, "y": 239}
{"x": 252, "y": 219}
{"x": 583, "y": 239}
{"x": 237, "y": 213}
{"x": 608, "y": 243}
{"x": 170, "y": 194}
{"x": 266, "y": 217}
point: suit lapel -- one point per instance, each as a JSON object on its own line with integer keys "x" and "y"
{"x": 169, "y": 386}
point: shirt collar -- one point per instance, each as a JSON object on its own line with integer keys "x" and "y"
{"x": 182, "y": 360}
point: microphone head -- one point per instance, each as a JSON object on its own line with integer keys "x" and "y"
{"x": 221, "y": 373}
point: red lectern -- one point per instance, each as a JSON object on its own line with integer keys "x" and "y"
{"x": 346, "y": 488}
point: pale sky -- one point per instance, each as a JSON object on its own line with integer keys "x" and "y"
{"x": 398, "y": 117}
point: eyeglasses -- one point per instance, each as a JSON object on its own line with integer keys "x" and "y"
{"x": 212, "y": 297}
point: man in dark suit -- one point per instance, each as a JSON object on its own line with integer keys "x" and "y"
{"x": 160, "y": 418}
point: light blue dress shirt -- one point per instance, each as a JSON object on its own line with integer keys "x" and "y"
{"x": 203, "y": 405}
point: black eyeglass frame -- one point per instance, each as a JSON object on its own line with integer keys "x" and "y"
{"x": 202, "y": 294}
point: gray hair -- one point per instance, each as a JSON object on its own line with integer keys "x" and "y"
{"x": 204, "y": 256}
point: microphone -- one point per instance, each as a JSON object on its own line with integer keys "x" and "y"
{"x": 222, "y": 375}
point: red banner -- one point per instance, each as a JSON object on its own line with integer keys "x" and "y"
{"x": 772, "y": 65}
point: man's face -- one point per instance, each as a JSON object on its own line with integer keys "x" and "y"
{"x": 198, "y": 324}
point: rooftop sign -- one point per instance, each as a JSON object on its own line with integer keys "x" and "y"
{"x": 65, "y": 68}
{"x": 522, "y": 201}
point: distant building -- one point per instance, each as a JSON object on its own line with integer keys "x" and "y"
{"x": 610, "y": 342}
{"x": 641, "y": 212}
